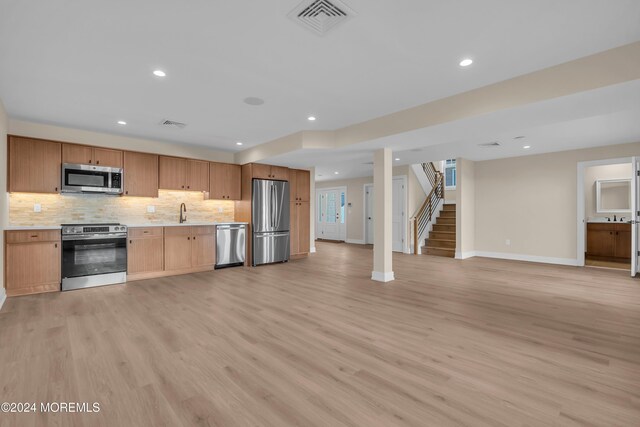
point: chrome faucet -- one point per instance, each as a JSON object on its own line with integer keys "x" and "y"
{"x": 183, "y": 212}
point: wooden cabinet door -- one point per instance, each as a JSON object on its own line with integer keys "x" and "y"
{"x": 261, "y": 171}
{"x": 177, "y": 248}
{"x": 601, "y": 242}
{"x": 74, "y": 153}
{"x": 234, "y": 182}
{"x": 34, "y": 165}
{"x": 107, "y": 157}
{"x": 293, "y": 186}
{"x": 304, "y": 228}
{"x": 145, "y": 255}
{"x": 203, "y": 246}
{"x": 280, "y": 173}
{"x": 197, "y": 175}
{"x": 623, "y": 244}
{"x": 293, "y": 229}
{"x": 303, "y": 181}
{"x": 33, "y": 268}
{"x": 140, "y": 174}
{"x": 217, "y": 175}
{"x": 173, "y": 173}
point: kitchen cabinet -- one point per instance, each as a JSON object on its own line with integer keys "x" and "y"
{"x": 32, "y": 262}
{"x": 84, "y": 154}
{"x": 145, "y": 250}
{"x": 609, "y": 241}
{"x": 226, "y": 181}
{"x": 34, "y": 165}
{"x": 262, "y": 171}
{"x": 299, "y": 185}
{"x": 140, "y": 174}
{"x": 183, "y": 174}
{"x": 299, "y": 228}
{"x": 189, "y": 247}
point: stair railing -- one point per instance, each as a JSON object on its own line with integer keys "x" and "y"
{"x": 425, "y": 214}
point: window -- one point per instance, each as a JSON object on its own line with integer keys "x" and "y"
{"x": 450, "y": 176}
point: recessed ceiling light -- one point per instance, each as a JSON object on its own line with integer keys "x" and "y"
{"x": 159, "y": 73}
{"x": 122, "y": 122}
{"x": 336, "y": 172}
{"x": 397, "y": 158}
{"x": 238, "y": 143}
{"x": 526, "y": 147}
{"x": 466, "y": 62}
{"x": 311, "y": 118}
{"x": 252, "y": 100}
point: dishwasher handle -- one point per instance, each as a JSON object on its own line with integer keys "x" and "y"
{"x": 231, "y": 227}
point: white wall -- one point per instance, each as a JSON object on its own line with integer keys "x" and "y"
{"x": 594, "y": 173}
{"x": 532, "y": 201}
{"x": 4, "y": 204}
{"x": 465, "y": 208}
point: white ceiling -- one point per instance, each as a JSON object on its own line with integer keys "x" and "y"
{"x": 88, "y": 64}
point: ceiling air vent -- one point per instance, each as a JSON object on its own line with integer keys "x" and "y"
{"x": 173, "y": 124}
{"x": 490, "y": 144}
{"x": 320, "y": 16}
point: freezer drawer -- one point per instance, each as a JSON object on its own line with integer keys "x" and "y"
{"x": 230, "y": 245}
{"x": 270, "y": 247}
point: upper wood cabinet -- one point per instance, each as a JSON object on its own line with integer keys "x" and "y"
{"x": 226, "y": 181}
{"x": 32, "y": 261}
{"x": 34, "y": 165}
{"x": 84, "y": 154}
{"x": 261, "y": 171}
{"x": 299, "y": 185}
{"x": 140, "y": 174}
{"x": 183, "y": 174}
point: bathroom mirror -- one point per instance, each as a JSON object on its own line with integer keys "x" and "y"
{"x": 613, "y": 195}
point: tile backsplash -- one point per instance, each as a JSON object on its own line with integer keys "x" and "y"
{"x": 92, "y": 208}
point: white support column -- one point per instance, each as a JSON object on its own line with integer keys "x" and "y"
{"x": 312, "y": 209}
{"x": 382, "y": 235}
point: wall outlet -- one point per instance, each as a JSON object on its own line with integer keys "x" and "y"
{"x": 151, "y": 209}
{"x": 37, "y": 207}
{"x": 507, "y": 242}
{"x": 220, "y": 209}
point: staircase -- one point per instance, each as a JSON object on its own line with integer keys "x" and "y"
{"x": 442, "y": 238}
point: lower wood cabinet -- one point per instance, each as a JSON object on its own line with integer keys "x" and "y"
{"x": 32, "y": 262}
{"x": 609, "y": 241}
{"x": 299, "y": 228}
{"x": 145, "y": 254}
{"x": 189, "y": 248}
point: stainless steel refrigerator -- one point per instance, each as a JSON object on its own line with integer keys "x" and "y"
{"x": 270, "y": 221}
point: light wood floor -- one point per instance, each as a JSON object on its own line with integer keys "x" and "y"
{"x": 314, "y": 342}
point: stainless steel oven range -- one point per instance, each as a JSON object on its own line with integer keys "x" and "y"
{"x": 93, "y": 255}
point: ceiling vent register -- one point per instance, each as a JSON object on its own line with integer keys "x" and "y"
{"x": 320, "y": 16}
{"x": 172, "y": 124}
{"x": 490, "y": 144}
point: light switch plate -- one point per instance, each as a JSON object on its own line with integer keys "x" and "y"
{"x": 37, "y": 207}
{"x": 507, "y": 242}
{"x": 151, "y": 209}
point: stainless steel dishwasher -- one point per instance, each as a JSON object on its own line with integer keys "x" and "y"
{"x": 230, "y": 244}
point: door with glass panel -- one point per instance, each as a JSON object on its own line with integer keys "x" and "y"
{"x": 331, "y": 214}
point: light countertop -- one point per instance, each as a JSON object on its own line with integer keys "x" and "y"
{"x": 33, "y": 227}
{"x": 155, "y": 224}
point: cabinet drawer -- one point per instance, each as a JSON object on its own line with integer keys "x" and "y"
{"x": 177, "y": 231}
{"x": 142, "y": 232}
{"x": 203, "y": 229}
{"x": 605, "y": 226}
{"x": 26, "y": 236}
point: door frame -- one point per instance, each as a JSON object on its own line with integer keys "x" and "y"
{"x": 581, "y": 221}
{"x": 405, "y": 247}
{"x": 319, "y": 205}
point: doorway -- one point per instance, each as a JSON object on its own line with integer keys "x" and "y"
{"x": 331, "y": 218}
{"x": 398, "y": 210}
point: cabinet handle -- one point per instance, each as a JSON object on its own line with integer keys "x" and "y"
{"x": 126, "y": 192}
{"x": 188, "y": 238}
{"x": 194, "y": 237}
{"x": 146, "y": 231}
{"x": 89, "y": 161}
{"x": 97, "y": 162}
{"x": 55, "y": 189}
{"x": 188, "y": 186}
{"x": 183, "y": 186}
{"x": 130, "y": 242}
{"x": 34, "y": 235}
{"x": 55, "y": 245}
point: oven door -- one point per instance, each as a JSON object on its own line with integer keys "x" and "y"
{"x": 93, "y": 255}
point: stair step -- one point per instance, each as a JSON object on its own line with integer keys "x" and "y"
{"x": 438, "y": 243}
{"x": 450, "y": 253}
{"x": 443, "y": 235}
{"x": 444, "y": 227}
{"x": 447, "y": 214}
{"x": 449, "y": 207}
{"x": 446, "y": 221}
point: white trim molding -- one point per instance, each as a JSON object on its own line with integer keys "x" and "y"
{"x": 312, "y": 250}
{"x": 379, "y": 276}
{"x": 3, "y": 297}
{"x": 465, "y": 255}
{"x": 528, "y": 258}
{"x": 355, "y": 241}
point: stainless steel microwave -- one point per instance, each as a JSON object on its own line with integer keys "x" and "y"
{"x": 78, "y": 178}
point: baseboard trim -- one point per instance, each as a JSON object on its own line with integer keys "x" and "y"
{"x": 355, "y": 241}
{"x": 312, "y": 250}
{"x": 379, "y": 276}
{"x": 528, "y": 258}
{"x": 465, "y": 255}
{"x": 3, "y": 298}
{"x": 449, "y": 202}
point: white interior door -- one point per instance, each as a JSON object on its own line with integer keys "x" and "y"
{"x": 635, "y": 208}
{"x": 331, "y": 218}
{"x": 368, "y": 213}
{"x": 398, "y": 214}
